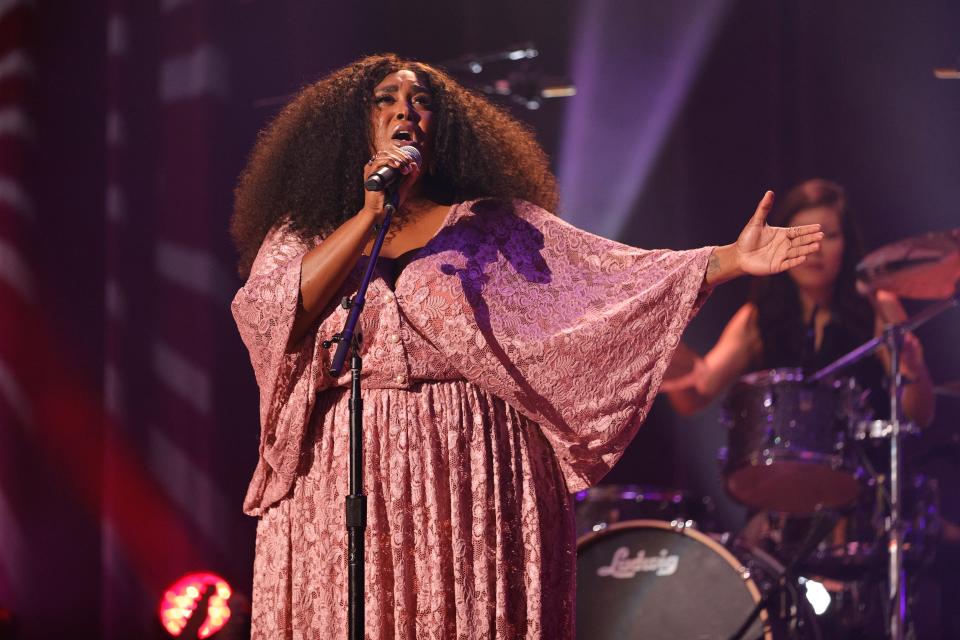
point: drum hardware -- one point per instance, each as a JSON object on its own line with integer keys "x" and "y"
{"x": 882, "y": 429}
{"x": 601, "y": 506}
{"x": 680, "y": 525}
{"x": 856, "y": 550}
{"x": 892, "y": 338}
{"x": 928, "y": 268}
{"x": 724, "y": 539}
{"x": 788, "y": 576}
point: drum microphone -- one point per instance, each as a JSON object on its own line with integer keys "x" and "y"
{"x": 385, "y": 176}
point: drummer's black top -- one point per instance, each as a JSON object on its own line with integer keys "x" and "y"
{"x": 838, "y": 340}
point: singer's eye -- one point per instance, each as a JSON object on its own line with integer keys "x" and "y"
{"x": 383, "y": 99}
{"x": 424, "y": 99}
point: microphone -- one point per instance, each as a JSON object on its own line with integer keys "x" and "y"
{"x": 385, "y": 176}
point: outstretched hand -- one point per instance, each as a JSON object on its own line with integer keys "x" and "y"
{"x": 763, "y": 250}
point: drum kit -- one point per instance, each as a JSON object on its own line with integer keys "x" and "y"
{"x": 836, "y": 518}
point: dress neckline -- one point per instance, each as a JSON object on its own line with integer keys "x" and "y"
{"x": 412, "y": 255}
{"x": 407, "y": 256}
{"x": 443, "y": 224}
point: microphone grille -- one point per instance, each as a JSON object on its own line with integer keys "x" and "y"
{"x": 414, "y": 154}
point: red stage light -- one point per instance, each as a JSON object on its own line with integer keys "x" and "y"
{"x": 180, "y": 602}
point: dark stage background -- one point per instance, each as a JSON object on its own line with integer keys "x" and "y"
{"x": 128, "y": 411}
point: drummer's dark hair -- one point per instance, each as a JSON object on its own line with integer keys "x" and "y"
{"x": 779, "y": 311}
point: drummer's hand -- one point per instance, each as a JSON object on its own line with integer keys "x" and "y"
{"x": 868, "y": 292}
{"x": 912, "y": 363}
{"x": 763, "y": 250}
{"x": 685, "y": 368}
{"x": 886, "y": 305}
{"x": 888, "y": 310}
{"x": 686, "y": 380}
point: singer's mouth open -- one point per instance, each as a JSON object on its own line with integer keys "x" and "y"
{"x": 406, "y": 142}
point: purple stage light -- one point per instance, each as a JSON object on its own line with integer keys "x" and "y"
{"x": 633, "y": 65}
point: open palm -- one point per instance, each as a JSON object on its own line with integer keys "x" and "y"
{"x": 764, "y": 250}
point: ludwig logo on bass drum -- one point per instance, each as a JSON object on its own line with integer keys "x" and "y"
{"x": 623, "y": 566}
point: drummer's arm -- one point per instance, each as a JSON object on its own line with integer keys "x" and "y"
{"x": 710, "y": 375}
{"x": 918, "y": 398}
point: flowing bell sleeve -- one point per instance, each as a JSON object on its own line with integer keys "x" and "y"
{"x": 289, "y": 379}
{"x": 573, "y": 330}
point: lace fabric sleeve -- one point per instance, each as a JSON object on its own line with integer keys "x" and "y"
{"x": 572, "y": 329}
{"x": 289, "y": 378}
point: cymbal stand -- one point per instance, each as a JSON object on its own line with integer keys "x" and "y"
{"x": 897, "y": 584}
{"x": 892, "y": 337}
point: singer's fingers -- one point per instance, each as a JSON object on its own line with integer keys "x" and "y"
{"x": 803, "y": 232}
{"x": 397, "y": 158}
{"x": 410, "y": 167}
{"x": 791, "y": 263}
{"x": 393, "y": 152}
{"x": 803, "y": 250}
{"x": 385, "y": 159}
{"x": 412, "y": 157}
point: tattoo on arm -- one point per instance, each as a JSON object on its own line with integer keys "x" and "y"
{"x": 713, "y": 266}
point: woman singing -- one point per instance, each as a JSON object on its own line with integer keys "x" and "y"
{"x": 508, "y": 357}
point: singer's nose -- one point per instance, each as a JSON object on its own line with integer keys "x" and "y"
{"x": 405, "y": 111}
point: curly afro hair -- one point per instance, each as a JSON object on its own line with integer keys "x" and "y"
{"x": 307, "y": 164}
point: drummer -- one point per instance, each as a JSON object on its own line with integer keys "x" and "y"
{"x": 808, "y": 317}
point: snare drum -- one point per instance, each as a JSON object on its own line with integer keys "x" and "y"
{"x": 648, "y": 579}
{"x": 786, "y": 442}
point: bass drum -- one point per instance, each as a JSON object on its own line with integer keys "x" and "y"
{"x": 648, "y": 579}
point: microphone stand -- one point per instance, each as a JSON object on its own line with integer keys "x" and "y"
{"x": 356, "y": 502}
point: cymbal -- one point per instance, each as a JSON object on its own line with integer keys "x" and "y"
{"x": 925, "y": 267}
{"x": 948, "y": 389}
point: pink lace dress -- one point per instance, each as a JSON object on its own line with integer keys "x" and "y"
{"x": 511, "y": 365}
